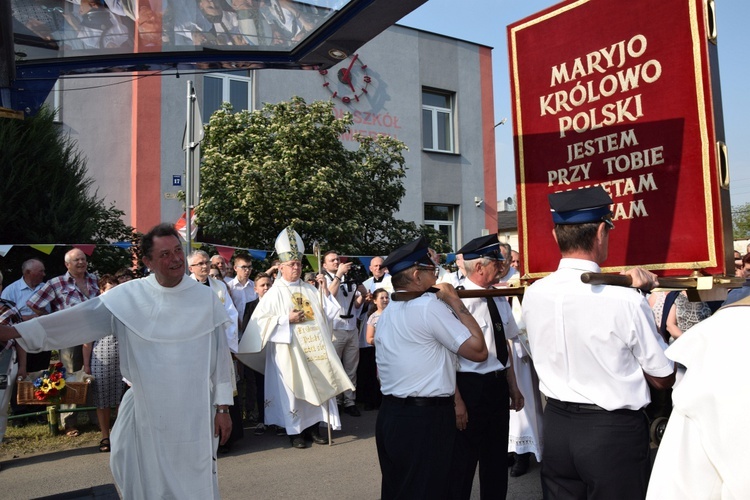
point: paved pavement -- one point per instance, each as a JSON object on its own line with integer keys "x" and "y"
{"x": 262, "y": 467}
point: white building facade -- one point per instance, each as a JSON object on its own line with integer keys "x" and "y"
{"x": 432, "y": 92}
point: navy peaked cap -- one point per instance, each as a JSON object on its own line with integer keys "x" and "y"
{"x": 485, "y": 246}
{"x": 580, "y": 206}
{"x": 408, "y": 255}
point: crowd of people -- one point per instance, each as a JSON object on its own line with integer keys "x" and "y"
{"x": 465, "y": 378}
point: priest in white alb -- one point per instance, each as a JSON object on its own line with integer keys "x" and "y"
{"x": 173, "y": 349}
{"x": 303, "y": 374}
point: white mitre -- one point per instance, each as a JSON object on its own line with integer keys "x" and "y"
{"x": 289, "y": 245}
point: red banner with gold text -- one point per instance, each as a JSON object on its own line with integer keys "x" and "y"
{"x": 619, "y": 94}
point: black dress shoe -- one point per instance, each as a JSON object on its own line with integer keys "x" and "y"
{"x": 511, "y": 459}
{"x": 317, "y": 438}
{"x": 352, "y": 410}
{"x": 521, "y": 466}
{"x": 298, "y": 441}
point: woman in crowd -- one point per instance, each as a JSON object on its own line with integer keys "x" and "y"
{"x": 215, "y": 272}
{"x": 380, "y": 300}
{"x": 368, "y": 386}
{"x": 102, "y": 360}
{"x": 681, "y": 316}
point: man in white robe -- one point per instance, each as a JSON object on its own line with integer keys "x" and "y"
{"x": 303, "y": 373}
{"x": 525, "y": 434}
{"x": 169, "y": 423}
{"x": 199, "y": 263}
{"x": 703, "y": 454}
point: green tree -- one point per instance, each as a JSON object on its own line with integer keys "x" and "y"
{"x": 286, "y": 165}
{"x": 46, "y": 197}
{"x": 741, "y": 221}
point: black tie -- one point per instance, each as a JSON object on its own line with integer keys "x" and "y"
{"x": 497, "y": 327}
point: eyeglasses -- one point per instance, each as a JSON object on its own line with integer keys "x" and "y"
{"x": 607, "y": 219}
{"x": 246, "y": 268}
{"x": 292, "y": 264}
{"x": 433, "y": 269}
{"x": 200, "y": 264}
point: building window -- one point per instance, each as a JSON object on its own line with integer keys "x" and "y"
{"x": 437, "y": 121}
{"x": 234, "y": 89}
{"x": 443, "y": 219}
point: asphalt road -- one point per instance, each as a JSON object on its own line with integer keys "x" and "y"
{"x": 260, "y": 467}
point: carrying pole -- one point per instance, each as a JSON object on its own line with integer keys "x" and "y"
{"x": 316, "y": 251}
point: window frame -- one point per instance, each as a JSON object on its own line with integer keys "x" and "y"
{"x": 435, "y": 112}
{"x": 226, "y": 81}
{"x": 451, "y": 223}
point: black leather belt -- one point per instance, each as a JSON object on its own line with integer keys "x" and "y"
{"x": 495, "y": 374}
{"x": 573, "y": 406}
{"x": 417, "y": 401}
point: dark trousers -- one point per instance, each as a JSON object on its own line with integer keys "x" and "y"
{"x": 254, "y": 391}
{"x": 594, "y": 454}
{"x": 368, "y": 387}
{"x": 235, "y": 413}
{"x": 485, "y": 439}
{"x": 415, "y": 444}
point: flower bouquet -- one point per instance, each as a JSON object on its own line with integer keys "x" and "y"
{"x": 54, "y": 386}
{"x": 50, "y": 387}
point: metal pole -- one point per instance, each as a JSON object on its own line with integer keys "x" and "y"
{"x": 190, "y": 140}
{"x": 52, "y": 420}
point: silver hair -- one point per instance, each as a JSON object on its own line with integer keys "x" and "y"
{"x": 471, "y": 265}
{"x": 196, "y": 253}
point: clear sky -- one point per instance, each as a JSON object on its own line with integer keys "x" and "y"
{"x": 485, "y": 22}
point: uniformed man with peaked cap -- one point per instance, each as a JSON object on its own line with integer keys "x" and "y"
{"x": 419, "y": 335}
{"x": 484, "y": 389}
{"x": 596, "y": 350}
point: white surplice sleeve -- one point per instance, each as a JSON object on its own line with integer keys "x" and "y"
{"x": 221, "y": 377}
{"x": 80, "y": 324}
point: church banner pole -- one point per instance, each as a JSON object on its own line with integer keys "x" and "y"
{"x": 316, "y": 251}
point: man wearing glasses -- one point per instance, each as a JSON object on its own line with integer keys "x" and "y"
{"x": 241, "y": 287}
{"x": 200, "y": 264}
{"x": 596, "y": 350}
{"x": 419, "y": 335}
{"x": 484, "y": 388}
{"x": 303, "y": 373}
